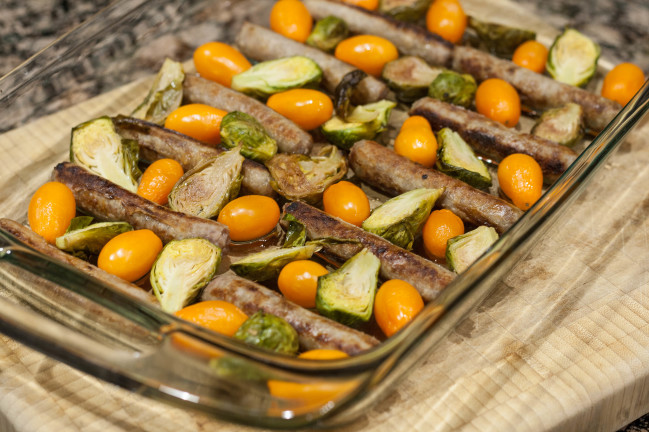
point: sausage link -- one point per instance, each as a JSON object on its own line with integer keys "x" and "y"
{"x": 315, "y": 331}
{"x": 383, "y": 168}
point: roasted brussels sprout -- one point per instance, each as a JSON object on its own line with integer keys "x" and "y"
{"x": 165, "y": 95}
{"x": 96, "y": 146}
{"x": 205, "y": 189}
{"x": 462, "y": 250}
{"x": 564, "y": 125}
{"x": 404, "y": 10}
{"x": 401, "y": 218}
{"x": 454, "y": 88}
{"x": 295, "y": 232}
{"x": 409, "y": 77}
{"x": 365, "y": 122}
{"x": 83, "y": 239}
{"x": 457, "y": 159}
{"x": 304, "y": 178}
{"x": 181, "y": 270}
{"x": 499, "y": 39}
{"x": 269, "y": 332}
{"x": 274, "y": 76}
{"x": 344, "y": 92}
{"x": 268, "y": 263}
{"x": 573, "y": 58}
{"x": 327, "y": 33}
{"x": 241, "y": 129}
{"x": 347, "y": 294}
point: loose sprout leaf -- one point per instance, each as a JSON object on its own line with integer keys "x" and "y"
{"x": 347, "y": 295}
{"x": 165, "y": 95}
{"x": 241, "y": 129}
{"x": 327, "y": 33}
{"x": 295, "y": 234}
{"x": 400, "y": 219}
{"x": 344, "y": 92}
{"x": 269, "y": 332}
{"x": 206, "y": 189}
{"x": 273, "y": 76}
{"x": 79, "y": 222}
{"x": 96, "y": 146}
{"x": 181, "y": 270}
{"x": 267, "y": 264}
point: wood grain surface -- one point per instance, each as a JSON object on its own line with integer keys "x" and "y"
{"x": 561, "y": 344}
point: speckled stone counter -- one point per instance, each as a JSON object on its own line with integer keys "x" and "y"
{"x": 27, "y": 26}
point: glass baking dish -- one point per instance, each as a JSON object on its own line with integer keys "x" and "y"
{"x": 138, "y": 347}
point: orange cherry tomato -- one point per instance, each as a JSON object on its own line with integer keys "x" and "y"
{"x": 298, "y": 281}
{"x": 250, "y": 217}
{"x": 417, "y": 143}
{"x": 219, "y": 62}
{"x": 368, "y": 53}
{"x": 158, "y": 180}
{"x": 201, "y": 122}
{"x": 396, "y": 304}
{"x": 346, "y": 201}
{"x": 216, "y": 315}
{"x": 531, "y": 55}
{"x": 441, "y": 226}
{"x": 622, "y": 83}
{"x": 291, "y": 19}
{"x": 498, "y": 100}
{"x": 51, "y": 209}
{"x": 521, "y": 179}
{"x": 130, "y": 255}
{"x": 416, "y": 120}
{"x": 365, "y": 4}
{"x": 306, "y": 108}
{"x": 323, "y": 354}
{"x": 447, "y": 19}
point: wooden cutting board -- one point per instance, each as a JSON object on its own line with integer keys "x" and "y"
{"x": 561, "y": 344}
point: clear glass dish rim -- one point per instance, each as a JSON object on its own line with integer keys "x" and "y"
{"x": 557, "y": 198}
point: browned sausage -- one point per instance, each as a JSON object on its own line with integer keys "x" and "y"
{"x": 383, "y": 168}
{"x": 396, "y": 263}
{"x": 537, "y": 91}
{"x": 157, "y": 142}
{"x": 262, "y": 44}
{"x": 410, "y": 39}
{"x": 314, "y": 331}
{"x": 493, "y": 139}
{"x": 107, "y": 201}
{"x": 33, "y": 240}
{"x": 289, "y": 136}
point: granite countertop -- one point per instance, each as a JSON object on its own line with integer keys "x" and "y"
{"x": 27, "y": 26}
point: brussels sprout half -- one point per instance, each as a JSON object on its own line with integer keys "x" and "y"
{"x": 564, "y": 125}
{"x": 499, "y": 39}
{"x": 409, "y": 77}
{"x": 165, "y": 95}
{"x": 573, "y": 58}
{"x": 462, "y": 250}
{"x": 457, "y": 159}
{"x": 268, "y": 263}
{"x": 269, "y": 332}
{"x": 365, "y": 122}
{"x": 267, "y": 78}
{"x": 96, "y": 146}
{"x": 181, "y": 270}
{"x": 347, "y": 294}
{"x": 404, "y": 10}
{"x": 327, "y": 33}
{"x": 241, "y": 129}
{"x": 304, "y": 178}
{"x": 206, "y": 189}
{"x": 401, "y": 218}
{"x": 454, "y": 88}
{"x": 90, "y": 239}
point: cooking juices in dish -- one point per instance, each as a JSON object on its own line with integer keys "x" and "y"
{"x": 271, "y": 146}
